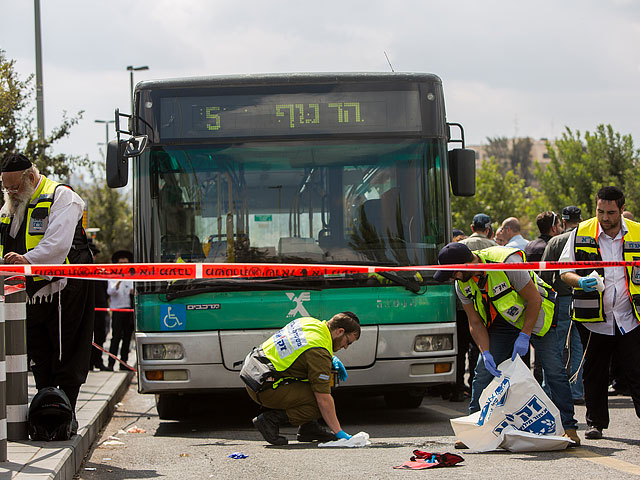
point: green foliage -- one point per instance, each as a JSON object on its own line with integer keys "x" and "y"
{"x": 579, "y": 167}
{"x": 17, "y": 130}
{"x": 109, "y": 210}
{"x": 512, "y": 154}
{"x": 500, "y": 194}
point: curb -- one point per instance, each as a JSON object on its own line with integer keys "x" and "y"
{"x": 62, "y": 460}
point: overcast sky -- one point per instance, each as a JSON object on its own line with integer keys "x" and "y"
{"x": 508, "y": 67}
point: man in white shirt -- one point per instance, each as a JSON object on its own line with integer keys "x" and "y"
{"x": 122, "y": 322}
{"x": 511, "y": 233}
{"x": 41, "y": 223}
{"x": 607, "y": 321}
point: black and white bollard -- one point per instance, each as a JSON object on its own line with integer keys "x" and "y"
{"x": 3, "y": 381}
{"x": 15, "y": 308}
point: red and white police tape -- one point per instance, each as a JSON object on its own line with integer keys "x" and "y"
{"x": 141, "y": 272}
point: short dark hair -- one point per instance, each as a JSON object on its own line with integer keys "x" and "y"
{"x": 347, "y": 320}
{"x": 611, "y": 193}
{"x": 546, "y": 221}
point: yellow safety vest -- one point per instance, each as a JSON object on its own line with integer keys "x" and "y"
{"x": 589, "y": 306}
{"x": 298, "y": 336}
{"x": 503, "y": 297}
{"x": 35, "y": 226}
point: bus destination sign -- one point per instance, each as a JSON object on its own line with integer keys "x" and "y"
{"x": 289, "y": 114}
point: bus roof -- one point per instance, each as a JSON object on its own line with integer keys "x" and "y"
{"x": 288, "y": 78}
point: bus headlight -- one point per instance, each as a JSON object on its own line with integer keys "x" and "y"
{"x": 433, "y": 343}
{"x": 162, "y": 351}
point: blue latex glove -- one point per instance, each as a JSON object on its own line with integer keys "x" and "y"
{"x": 521, "y": 345}
{"x": 342, "y": 433}
{"x": 490, "y": 364}
{"x": 588, "y": 284}
{"x": 337, "y": 365}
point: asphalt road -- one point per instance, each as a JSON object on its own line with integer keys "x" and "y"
{"x": 218, "y": 426}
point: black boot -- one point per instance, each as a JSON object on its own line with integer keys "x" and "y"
{"x": 268, "y": 424}
{"x": 313, "y": 431}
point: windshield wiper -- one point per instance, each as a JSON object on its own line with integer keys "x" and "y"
{"x": 183, "y": 290}
{"x": 408, "y": 283}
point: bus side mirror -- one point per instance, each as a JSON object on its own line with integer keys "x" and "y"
{"x": 118, "y": 154}
{"x": 117, "y": 164}
{"x": 462, "y": 171}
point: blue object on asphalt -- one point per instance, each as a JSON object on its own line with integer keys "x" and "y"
{"x": 237, "y": 455}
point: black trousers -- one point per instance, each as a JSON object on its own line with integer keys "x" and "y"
{"x": 99, "y": 337}
{"x": 599, "y": 351}
{"x": 122, "y": 325}
{"x": 43, "y": 338}
{"x": 466, "y": 345}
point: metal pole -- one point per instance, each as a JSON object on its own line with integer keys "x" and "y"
{"x": 16, "y": 355}
{"x": 131, "y": 88}
{"x": 106, "y": 126}
{"x": 131, "y": 69}
{"x": 39, "y": 84}
{"x": 3, "y": 381}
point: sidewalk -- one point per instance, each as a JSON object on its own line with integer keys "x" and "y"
{"x": 61, "y": 460}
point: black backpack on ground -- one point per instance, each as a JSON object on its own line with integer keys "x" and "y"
{"x": 50, "y": 416}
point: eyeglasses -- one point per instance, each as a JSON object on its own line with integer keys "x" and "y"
{"x": 555, "y": 219}
{"x": 12, "y": 189}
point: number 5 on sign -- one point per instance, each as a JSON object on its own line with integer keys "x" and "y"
{"x": 210, "y": 115}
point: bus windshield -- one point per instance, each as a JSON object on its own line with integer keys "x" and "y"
{"x": 373, "y": 202}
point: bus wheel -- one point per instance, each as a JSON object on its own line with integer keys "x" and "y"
{"x": 171, "y": 406}
{"x": 411, "y": 398}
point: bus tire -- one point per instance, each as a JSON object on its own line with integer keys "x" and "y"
{"x": 411, "y": 398}
{"x": 171, "y": 406}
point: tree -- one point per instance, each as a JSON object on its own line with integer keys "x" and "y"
{"x": 512, "y": 154}
{"x": 17, "y": 133}
{"x": 500, "y": 194}
{"x": 579, "y": 167}
{"x": 109, "y": 210}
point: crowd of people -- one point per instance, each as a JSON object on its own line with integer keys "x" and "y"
{"x": 581, "y": 323}
{"x": 582, "y": 328}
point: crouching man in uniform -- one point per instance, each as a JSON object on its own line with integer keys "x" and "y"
{"x": 290, "y": 375}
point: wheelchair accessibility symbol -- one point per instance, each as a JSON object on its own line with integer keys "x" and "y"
{"x": 173, "y": 317}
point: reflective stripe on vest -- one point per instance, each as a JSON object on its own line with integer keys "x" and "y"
{"x": 589, "y": 306}
{"x": 298, "y": 336}
{"x": 503, "y": 297}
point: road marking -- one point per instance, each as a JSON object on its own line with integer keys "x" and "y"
{"x": 609, "y": 462}
{"x": 449, "y": 412}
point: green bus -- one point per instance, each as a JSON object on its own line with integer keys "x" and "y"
{"x": 340, "y": 169}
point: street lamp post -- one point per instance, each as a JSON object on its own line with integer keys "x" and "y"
{"x": 132, "y": 69}
{"x": 106, "y": 140}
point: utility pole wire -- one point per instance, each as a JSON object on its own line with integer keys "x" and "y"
{"x": 388, "y": 61}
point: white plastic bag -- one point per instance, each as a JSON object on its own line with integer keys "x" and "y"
{"x": 515, "y": 415}
{"x": 360, "y": 439}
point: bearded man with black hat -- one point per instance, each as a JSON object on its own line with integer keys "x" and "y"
{"x": 41, "y": 223}
{"x": 507, "y": 310}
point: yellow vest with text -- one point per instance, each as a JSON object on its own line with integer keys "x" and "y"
{"x": 36, "y": 220}
{"x": 588, "y": 306}
{"x": 286, "y": 345}
{"x": 503, "y": 297}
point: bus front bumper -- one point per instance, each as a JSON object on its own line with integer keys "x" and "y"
{"x": 211, "y": 361}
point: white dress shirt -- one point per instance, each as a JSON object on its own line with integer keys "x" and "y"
{"x": 119, "y": 293}
{"x": 617, "y": 306}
